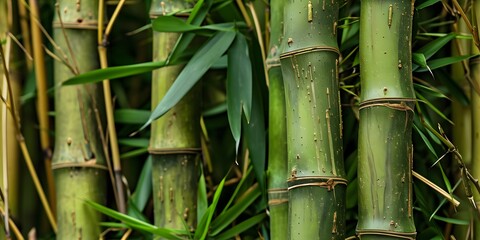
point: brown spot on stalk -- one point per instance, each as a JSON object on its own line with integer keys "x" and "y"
{"x": 185, "y": 214}
{"x": 289, "y": 41}
{"x": 293, "y": 173}
{"x": 390, "y": 15}
{"x": 309, "y": 11}
{"x": 69, "y": 141}
{"x": 172, "y": 194}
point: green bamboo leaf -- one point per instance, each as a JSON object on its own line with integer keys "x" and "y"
{"x": 114, "y": 72}
{"x": 202, "y": 201}
{"x": 434, "y": 46}
{"x": 241, "y": 227}
{"x": 419, "y": 59}
{"x": 175, "y": 24}
{"x": 426, "y": 141}
{"x": 427, "y": 4}
{"x": 445, "y": 178}
{"x": 192, "y": 72}
{"x": 239, "y": 85}
{"x": 442, "y": 62}
{"x": 221, "y": 108}
{"x": 453, "y": 87}
{"x": 255, "y": 134}
{"x": 134, "y": 142}
{"x": 134, "y": 153}
{"x": 452, "y": 220}
{"x": 197, "y": 16}
{"x": 135, "y": 223}
{"x": 237, "y": 188}
{"x": 430, "y": 91}
{"x": 134, "y": 212}
{"x": 204, "y": 224}
{"x": 352, "y": 190}
{"x": 131, "y": 116}
{"x": 143, "y": 189}
{"x": 227, "y": 217}
{"x": 433, "y": 107}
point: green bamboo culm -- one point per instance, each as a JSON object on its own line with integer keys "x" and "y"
{"x": 385, "y": 151}
{"x": 175, "y": 139}
{"x": 309, "y": 63}
{"x": 277, "y": 151}
{"x": 78, "y": 159}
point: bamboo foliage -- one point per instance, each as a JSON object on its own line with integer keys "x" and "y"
{"x": 385, "y": 152}
{"x": 309, "y": 63}
{"x": 175, "y": 141}
{"x": 78, "y": 159}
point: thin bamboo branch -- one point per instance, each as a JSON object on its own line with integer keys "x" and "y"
{"x": 24, "y": 150}
{"x": 5, "y": 95}
{"x": 12, "y": 225}
{"x": 442, "y": 192}
{"x": 258, "y": 30}
{"x": 102, "y": 52}
{"x": 42, "y": 101}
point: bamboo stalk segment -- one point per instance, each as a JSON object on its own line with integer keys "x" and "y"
{"x": 309, "y": 63}
{"x": 385, "y": 153}
{"x": 78, "y": 160}
{"x": 175, "y": 139}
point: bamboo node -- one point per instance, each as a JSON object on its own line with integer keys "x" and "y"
{"x": 321, "y": 181}
{"x": 171, "y": 151}
{"x": 92, "y": 163}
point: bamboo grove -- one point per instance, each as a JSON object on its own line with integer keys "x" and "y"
{"x": 202, "y": 119}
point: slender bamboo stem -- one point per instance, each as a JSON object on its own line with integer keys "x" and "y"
{"x": 102, "y": 51}
{"x": 385, "y": 151}
{"x": 277, "y": 151}
{"x": 42, "y": 100}
{"x": 309, "y": 63}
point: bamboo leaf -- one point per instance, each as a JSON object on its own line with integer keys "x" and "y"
{"x": 427, "y": 4}
{"x": 134, "y": 153}
{"x": 221, "y": 108}
{"x": 442, "y": 62}
{"x": 241, "y": 227}
{"x": 202, "y": 201}
{"x": 452, "y": 220}
{"x": 143, "y": 189}
{"x": 204, "y": 224}
{"x": 192, "y": 72}
{"x": 134, "y": 142}
{"x": 433, "y": 107}
{"x": 131, "y": 116}
{"x": 429, "y": 91}
{"x": 114, "y": 73}
{"x": 227, "y": 217}
{"x": 434, "y": 46}
{"x": 175, "y": 24}
{"x": 426, "y": 141}
{"x": 239, "y": 85}
{"x": 135, "y": 223}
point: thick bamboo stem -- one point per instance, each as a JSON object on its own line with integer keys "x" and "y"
{"x": 175, "y": 139}
{"x": 78, "y": 159}
{"x": 385, "y": 152}
{"x": 309, "y": 63}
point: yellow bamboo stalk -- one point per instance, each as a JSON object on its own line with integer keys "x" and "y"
{"x": 42, "y": 100}
{"x": 102, "y": 52}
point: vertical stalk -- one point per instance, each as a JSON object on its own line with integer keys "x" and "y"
{"x": 309, "y": 62}
{"x": 42, "y": 99}
{"x": 385, "y": 151}
{"x": 78, "y": 159}
{"x": 277, "y": 142}
{"x": 175, "y": 140}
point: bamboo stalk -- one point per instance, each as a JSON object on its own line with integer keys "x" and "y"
{"x": 175, "y": 139}
{"x": 42, "y": 101}
{"x": 277, "y": 172}
{"x": 309, "y": 63}
{"x": 385, "y": 151}
{"x": 78, "y": 159}
{"x": 102, "y": 51}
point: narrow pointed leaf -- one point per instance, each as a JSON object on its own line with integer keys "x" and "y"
{"x": 202, "y": 201}
{"x": 241, "y": 227}
{"x": 143, "y": 190}
{"x": 114, "y": 72}
{"x": 192, "y": 72}
{"x": 442, "y": 62}
{"x": 239, "y": 85}
{"x": 427, "y": 4}
{"x": 204, "y": 224}
{"x": 131, "y": 116}
{"x": 135, "y": 223}
{"x": 434, "y": 46}
{"x": 227, "y": 217}
{"x": 175, "y": 24}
